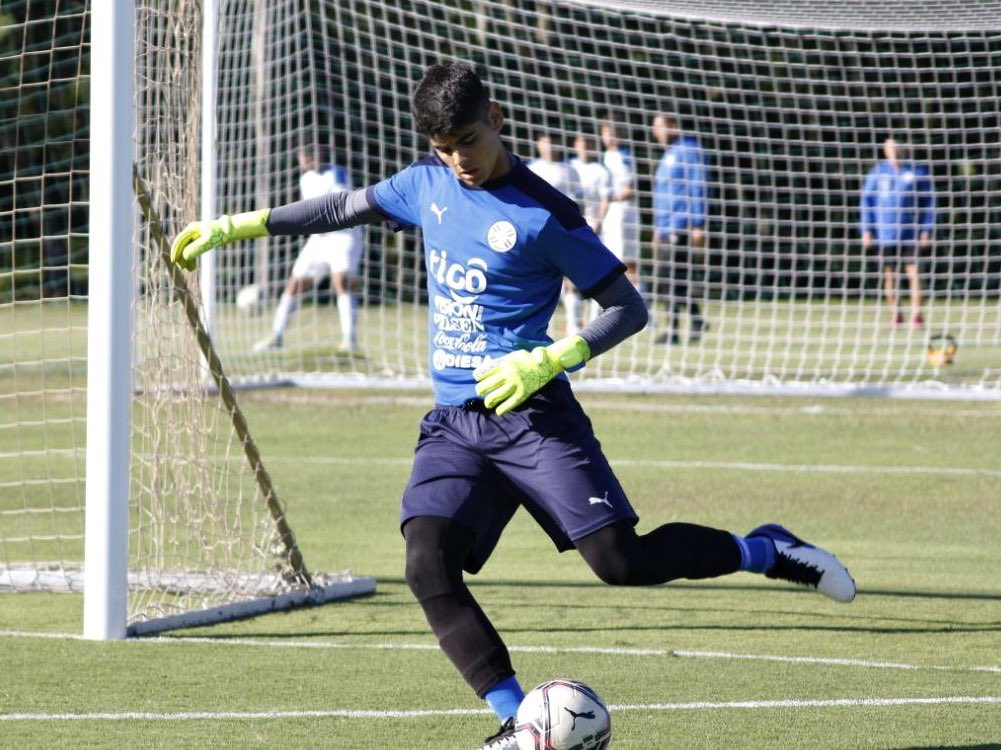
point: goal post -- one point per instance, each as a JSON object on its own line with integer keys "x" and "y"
{"x": 109, "y": 321}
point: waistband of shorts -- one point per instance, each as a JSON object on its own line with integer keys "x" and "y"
{"x": 557, "y": 388}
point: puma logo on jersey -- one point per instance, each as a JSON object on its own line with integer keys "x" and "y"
{"x": 438, "y": 211}
{"x": 600, "y": 501}
{"x": 575, "y": 715}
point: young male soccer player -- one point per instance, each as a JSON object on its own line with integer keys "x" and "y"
{"x": 506, "y": 429}
{"x": 331, "y": 253}
{"x": 679, "y": 217}
{"x": 898, "y": 213}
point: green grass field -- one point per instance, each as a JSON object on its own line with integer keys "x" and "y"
{"x": 907, "y": 493}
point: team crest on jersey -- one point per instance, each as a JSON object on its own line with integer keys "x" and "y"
{"x": 502, "y": 236}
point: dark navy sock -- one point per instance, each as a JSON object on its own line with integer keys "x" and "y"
{"x": 757, "y": 554}
{"x": 504, "y": 698}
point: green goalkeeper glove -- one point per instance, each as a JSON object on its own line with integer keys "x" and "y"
{"x": 509, "y": 381}
{"x": 201, "y": 236}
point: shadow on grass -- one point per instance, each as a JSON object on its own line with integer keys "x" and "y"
{"x": 655, "y": 628}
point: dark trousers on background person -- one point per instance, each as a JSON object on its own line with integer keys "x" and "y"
{"x": 675, "y": 266}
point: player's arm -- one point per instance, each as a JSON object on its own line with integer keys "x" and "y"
{"x": 868, "y": 208}
{"x": 506, "y": 383}
{"x": 327, "y": 213}
{"x": 926, "y": 203}
{"x": 697, "y": 188}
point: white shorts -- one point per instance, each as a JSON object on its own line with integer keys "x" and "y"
{"x": 327, "y": 254}
{"x": 620, "y": 231}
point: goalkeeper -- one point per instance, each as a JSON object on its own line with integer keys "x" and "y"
{"x": 506, "y": 429}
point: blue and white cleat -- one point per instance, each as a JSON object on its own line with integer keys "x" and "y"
{"x": 802, "y": 563}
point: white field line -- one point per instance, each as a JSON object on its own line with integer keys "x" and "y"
{"x": 813, "y": 409}
{"x": 708, "y": 465}
{"x": 604, "y": 650}
{"x": 422, "y": 713}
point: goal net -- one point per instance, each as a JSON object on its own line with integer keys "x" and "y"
{"x": 208, "y": 536}
{"x": 791, "y": 103}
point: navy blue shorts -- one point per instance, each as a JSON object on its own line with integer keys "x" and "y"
{"x": 476, "y": 468}
{"x": 898, "y": 255}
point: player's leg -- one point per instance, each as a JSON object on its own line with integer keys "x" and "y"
{"x": 437, "y": 550}
{"x": 343, "y": 260}
{"x": 453, "y": 512}
{"x": 288, "y": 303}
{"x": 620, "y": 556}
{"x": 890, "y": 289}
{"x": 914, "y": 279}
{"x": 573, "y": 493}
{"x": 677, "y": 292}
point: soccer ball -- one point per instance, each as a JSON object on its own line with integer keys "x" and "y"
{"x": 248, "y": 299}
{"x": 563, "y": 715}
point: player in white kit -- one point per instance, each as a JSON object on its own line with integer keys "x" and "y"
{"x": 564, "y": 178}
{"x": 595, "y": 181}
{"x": 334, "y": 254}
{"x": 620, "y": 229}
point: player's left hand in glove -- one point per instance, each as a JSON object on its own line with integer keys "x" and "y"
{"x": 201, "y": 236}
{"x": 508, "y": 382}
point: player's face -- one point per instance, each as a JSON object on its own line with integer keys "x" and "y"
{"x": 580, "y": 147}
{"x": 545, "y": 148}
{"x": 305, "y": 161}
{"x": 475, "y": 153}
{"x": 892, "y": 151}
{"x": 664, "y": 130}
{"x": 608, "y": 136}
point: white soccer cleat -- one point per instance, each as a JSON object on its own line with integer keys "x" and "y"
{"x": 799, "y": 562}
{"x": 505, "y": 739}
{"x": 266, "y": 345}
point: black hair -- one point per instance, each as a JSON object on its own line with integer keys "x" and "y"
{"x": 449, "y": 97}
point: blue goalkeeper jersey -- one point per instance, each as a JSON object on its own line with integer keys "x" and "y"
{"x": 898, "y": 203}
{"x": 496, "y": 256}
{"x": 679, "y": 191}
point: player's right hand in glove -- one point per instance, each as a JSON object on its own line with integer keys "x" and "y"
{"x": 201, "y": 236}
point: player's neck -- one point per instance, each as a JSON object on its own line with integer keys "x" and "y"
{"x": 502, "y": 167}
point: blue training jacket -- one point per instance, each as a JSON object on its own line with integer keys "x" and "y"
{"x": 898, "y": 203}
{"x": 680, "y": 190}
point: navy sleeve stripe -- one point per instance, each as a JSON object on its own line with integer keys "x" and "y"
{"x": 604, "y": 282}
{"x": 373, "y": 203}
{"x": 563, "y": 209}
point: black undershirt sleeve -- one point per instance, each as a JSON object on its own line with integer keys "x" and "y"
{"x": 623, "y": 314}
{"x": 328, "y": 213}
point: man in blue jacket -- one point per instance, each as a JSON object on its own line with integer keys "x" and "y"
{"x": 898, "y": 215}
{"x": 679, "y": 212}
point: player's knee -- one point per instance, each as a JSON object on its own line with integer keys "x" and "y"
{"x": 615, "y": 569}
{"x": 425, "y": 571}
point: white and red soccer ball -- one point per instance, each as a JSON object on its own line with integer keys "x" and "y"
{"x": 563, "y": 715}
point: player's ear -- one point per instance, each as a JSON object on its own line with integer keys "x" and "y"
{"x": 495, "y": 116}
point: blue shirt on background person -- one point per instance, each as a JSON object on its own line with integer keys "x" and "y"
{"x": 680, "y": 189}
{"x": 898, "y": 203}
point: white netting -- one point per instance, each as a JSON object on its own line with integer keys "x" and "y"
{"x": 790, "y": 115}
{"x": 201, "y": 533}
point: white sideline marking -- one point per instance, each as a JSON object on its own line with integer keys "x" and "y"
{"x": 711, "y": 465}
{"x": 373, "y": 714}
{"x": 827, "y": 660}
{"x": 605, "y": 650}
